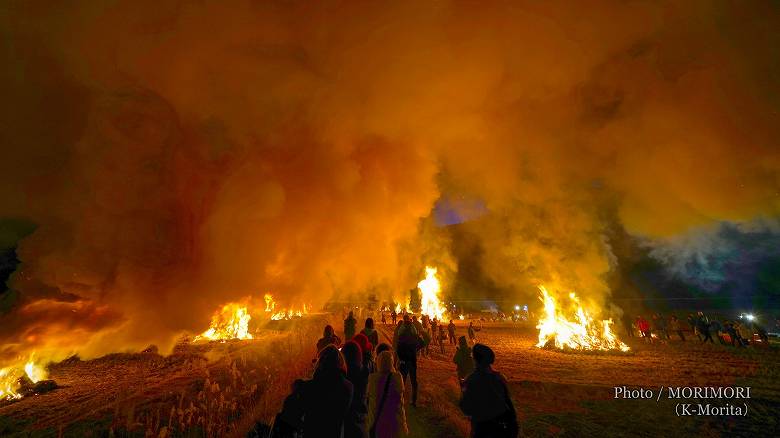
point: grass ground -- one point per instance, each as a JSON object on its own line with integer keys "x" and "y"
{"x": 226, "y": 389}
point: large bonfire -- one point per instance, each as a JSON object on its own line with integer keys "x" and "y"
{"x": 430, "y": 288}
{"x": 581, "y": 333}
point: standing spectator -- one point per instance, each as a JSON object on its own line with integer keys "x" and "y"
{"x": 674, "y": 325}
{"x": 326, "y": 398}
{"x": 367, "y": 349}
{"x": 370, "y": 332}
{"x": 463, "y": 360}
{"x": 386, "y": 414}
{"x": 486, "y": 399}
{"x": 406, "y": 343}
{"x": 357, "y": 374}
{"x": 393, "y": 316}
{"x": 328, "y": 338}
{"x": 289, "y": 422}
{"x": 350, "y": 325}
{"x": 472, "y": 333}
{"x": 451, "y": 332}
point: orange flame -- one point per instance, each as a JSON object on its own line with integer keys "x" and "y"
{"x": 580, "y": 334}
{"x": 430, "y": 287}
{"x": 232, "y": 322}
{"x": 10, "y": 378}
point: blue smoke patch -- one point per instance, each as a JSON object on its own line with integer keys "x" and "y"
{"x": 457, "y": 210}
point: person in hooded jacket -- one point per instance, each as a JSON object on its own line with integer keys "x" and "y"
{"x": 463, "y": 360}
{"x": 367, "y": 348}
{"x": 388, "y": 418}
{"x": 370, "y": 332}
{"x": 327, "y": 397}
{"x": 329, "y": 337}
{"x": 357, "y": 374}
{"x": 486, "y": 399}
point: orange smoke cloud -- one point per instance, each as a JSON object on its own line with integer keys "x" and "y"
{"x": 200, "y": 153}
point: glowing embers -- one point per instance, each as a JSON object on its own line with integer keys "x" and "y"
{"x": 232, "y": 322}
{"x": 429, "y": 295}
{"x": 582, "y": 333}
{"x": 12, "y": 378}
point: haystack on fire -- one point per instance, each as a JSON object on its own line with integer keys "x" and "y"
{"x": 187, "y": 189}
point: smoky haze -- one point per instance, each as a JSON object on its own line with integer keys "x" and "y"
{"x": 178, "y": 156}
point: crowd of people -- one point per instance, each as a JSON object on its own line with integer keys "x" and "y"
{"x": 358, "y": 388}
{"x": 739, "y": 332}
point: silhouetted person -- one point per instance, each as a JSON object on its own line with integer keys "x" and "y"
{"x": 384, "y": 318}
{"x": 451, "y": 332}
{"x": 289, "y": 422}
{"x": 329, "y": 337}
{"x": 367, "y": 348}
{"x": 407, "y": 341}
{"x": 735, "y": 340}
{"x": 394, "y": 316}
{"x": 472, "y": 332}
{"x": 350, "y": 325}
{"x": 357, "y": 374}
{"x": 717, "y": 328}
{"x": 703, "y": 326}
{"x": 370, "y": 331}
{"x": 486, "y": 399}
{"x": 382, "y": 347}
{"x": 674, "y": 325}
{"x": 659, "y": 323}
{"x": 386, "y": 414}
{"x": 327, "y": 397}
{"x": 463, "y": 360}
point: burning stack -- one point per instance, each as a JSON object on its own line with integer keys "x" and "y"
{"x": 582, "y": 333}
{"x": 17, "y": 381}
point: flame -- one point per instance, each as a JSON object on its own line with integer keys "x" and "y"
{"x": 580, "y": 334}
{"x": 10, "y": 378}
{"x": 461, "y": 317}
{"x": 232, "y": 322}
{"x": 269, "y": 302}
{"x": 429, "y": 294}
{"x": 289, "y": 314}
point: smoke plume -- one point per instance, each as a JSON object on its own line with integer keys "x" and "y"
{"x": 175, "y": 156}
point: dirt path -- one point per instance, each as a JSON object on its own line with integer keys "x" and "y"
{"x": 437, "y": 413}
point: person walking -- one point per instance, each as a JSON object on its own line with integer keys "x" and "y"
{"x": 703, "y": 326}
{"x": 644, "y": 328}
{"x": 370, "y": 331}
{"x": 394, "y": 316}
{"x": 463, "y": 361}
{"x": 350, "y": 324}
{"x": 451, "y": 332}
{"x": 486, "y": 399}
{"x": 472, "y": 333}
{"x": 326, "y": 398}
{"x": 386, "y": 413}
{"x": 357, "y": 374}
{"x": 407, "y": 342}
{"x": 367, "y": 349}
{"x": 674, "y": 325}
{"x": 328, "y": 338}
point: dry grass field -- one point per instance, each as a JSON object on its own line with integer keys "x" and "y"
{"x": 227, "y": 389}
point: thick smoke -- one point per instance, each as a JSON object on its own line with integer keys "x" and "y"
{"x": 176, "y": 156}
